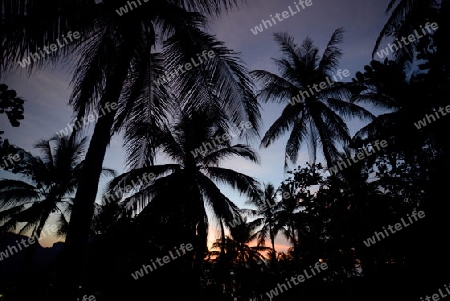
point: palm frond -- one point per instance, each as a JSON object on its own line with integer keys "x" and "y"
{"x": 239, "y": 150}
{"x": 298, "y": 134}
{"x": 7, "y": 214}
{"x": 332, "y": 53}
{"x": 243, "y": 183}
{"x": 136, "y": 176}
{"x": 63, "y": 225}
{"x": 220, "y": 204}
{"x": 222, "y": 79}
{"x": 348, "y": 109}
{"x": 28, "y": 26}
{"x": 108, "y": 172}
{"x": 16, "y": 192}
{"x": 275, "y": 88}
{"x": 284, "y": 123}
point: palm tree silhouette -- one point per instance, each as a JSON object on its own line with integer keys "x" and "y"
{"x": 286, "y": 214}
{"x": 265, "y": 218}
{"x": 47, "y": 188}
{"x": 237, "y": 248}
{"x": 49, "y": 182}
{"x": 386, "y": 86}
{"x": 116, "y": 63}
{"x": 131, "y": 81}
{"x": 405, "y": 17}
{"x": 192, "y": 178}
{"x": 240, "y": 264}
{"x": 315, "y": 118}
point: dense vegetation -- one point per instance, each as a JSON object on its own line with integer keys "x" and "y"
{"x": 326, "y": 217}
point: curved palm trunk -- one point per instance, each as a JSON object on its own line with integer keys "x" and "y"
{"x": 72, "y": 257}
{"x": 83, "y": 208}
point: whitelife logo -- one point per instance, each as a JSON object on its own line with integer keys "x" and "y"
{"x": 300, "y": 278}
{"x": 398, "y": 226}
{"x": 119, "y": 192}
{"x": 411, "y": 38}
{"x": 322, "y": 85}
{"x": 124, "y": 9}
{"x": 437, "y": 297}
{"x": 341, "y": 164}
{"x": 11, "y": 250}
{"x": 86, "y": 120}
{"x": 35, "y": 56}
{"x": 87, "y": 298}
{"x": 16, "y": 158}
{"x": 423, "y": 123}
{"x": 284, "y": 15}
{"x": 166, "y": 259}
{"x": 174, "y": 72}
{"x": 206, "y": 146}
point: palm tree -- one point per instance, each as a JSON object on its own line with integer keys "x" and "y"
{"x": 417, "y": 157}
{"x": 265, "y": 218}
{"x": 315, "y": 119}
{"x": 47, "y": 188}
{"x": 132, "y": 83}
{"x": 174, "y": 195}
{"x": 286, "y": 214}
{"x": 406, "y": 16}
{"x": 237, "y": 244}
{"x": 191, "y": 177}
{"x": 240, "y": 264}
{"x": 116, "y": 63}
{"x": 386, "y": 86}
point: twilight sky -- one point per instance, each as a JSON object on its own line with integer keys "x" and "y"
{"x": 47, "y": 91}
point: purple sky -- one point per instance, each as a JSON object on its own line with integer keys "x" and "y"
{"x": 47, "y": 92}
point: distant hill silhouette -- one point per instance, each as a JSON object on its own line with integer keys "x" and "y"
{"x": 10, "y": 267}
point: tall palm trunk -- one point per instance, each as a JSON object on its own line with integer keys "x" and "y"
{"x": 70, "y": 269}
{"x": 83, "y": 208}
{"x": 224, "y": 272}
{"x": 273, "y": 255}
{"x": 272, "y": 237}
{"x": 295, "y": 241}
